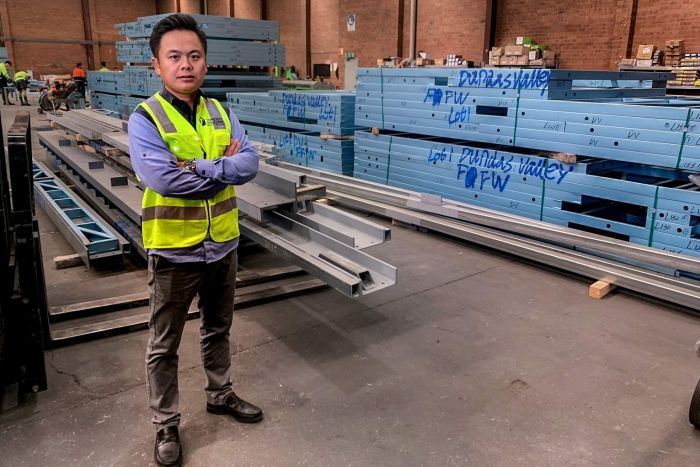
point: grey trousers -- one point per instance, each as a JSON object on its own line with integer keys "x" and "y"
{"x": 172, "y": 287}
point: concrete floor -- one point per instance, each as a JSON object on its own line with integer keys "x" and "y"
{"x": 473, "y": 358}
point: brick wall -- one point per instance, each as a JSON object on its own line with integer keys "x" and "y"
{"x": 290, "y": 14}
{"x": 250, "y": 9}
{"x": 662, "y": 20}
{"x": 580, "y": 31}
{"x": 324, "y": 39}
{"x": 447, "y": 27}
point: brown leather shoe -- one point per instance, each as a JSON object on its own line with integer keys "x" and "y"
{"x": 168, "y": 451}
{"x": 239, "y": 409}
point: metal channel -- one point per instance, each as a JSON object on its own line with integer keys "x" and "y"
{"x": 502, "y": 221}
{"x": 383, "y": 275}
{"x": 90, "y": 237}
{"x": 348, "y": 228}
{"x": 660, "y": 286}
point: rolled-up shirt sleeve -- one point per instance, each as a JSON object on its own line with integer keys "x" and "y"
{"x": 238, "y": 169}
{"x": 156, "y": 167}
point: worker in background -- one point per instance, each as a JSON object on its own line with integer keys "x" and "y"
{"x": 79, "y": 77}
{"x": 21, "y": 83}
{"x": 103, "y": 66}
{"x": 189, "y": 153}
{"x": 290, "y": 73}
{"x": 5, "y": 80}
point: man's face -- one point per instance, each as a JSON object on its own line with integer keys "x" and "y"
{"x": 181, "y": 62}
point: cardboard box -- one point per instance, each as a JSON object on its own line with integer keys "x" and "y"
{"x": 628, "y": 62}
{"x": 537, "y": 62}
{"x": 675, "y": 43}
{"x": 517, "y": 50}
{"x": 496, "y": 51}
{"x": 440, "y": 61}
{"x": 548, "y": 54}
{"x": 522, "y": 60}
{"x": 644, "y": 62}
{"x": 523, "y": 40}
{"x": 549, "y": 62}
{"x": 646, "y": 51}
{"x": 495, "y": 61}
{"x": 534, "y": 54}
{"x": 510, "y": 60}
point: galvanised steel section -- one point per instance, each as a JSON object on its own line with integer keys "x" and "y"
{"x": 538, "y": 109}
{"x": 306, "y": 148}
{"x": 213, "y": 26}
{"x": 517, "y": 224}
{"x": 324, "y": 112}
{"x": 219, "y": 52}
{"x": 608, "y": 196}
{"x": 90, "y": 237}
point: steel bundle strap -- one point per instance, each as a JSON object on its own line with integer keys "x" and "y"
{"x": 381, "y": 81}
{"x": 517, "y": 110}
{"x": 653, "y": 214}
{"x": 544, "y": 184}
{"x": 685, "y": 135}
{"x": 388, "y": 160}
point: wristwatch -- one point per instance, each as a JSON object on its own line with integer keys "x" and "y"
{"x": 190, "y": 165}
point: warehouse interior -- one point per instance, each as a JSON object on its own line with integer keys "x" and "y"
{"x": 473, "y": 237}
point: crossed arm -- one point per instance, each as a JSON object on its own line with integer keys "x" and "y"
{"x": 160, "y": 170}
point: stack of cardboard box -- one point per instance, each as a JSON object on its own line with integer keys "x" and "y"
{"x": 674, "y": 52}
{"x": 524, "y": 53}
{"x": 645, "y": 55}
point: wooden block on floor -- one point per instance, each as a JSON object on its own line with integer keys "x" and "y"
{"x": 54, "y": 125}
{"x": 87, "y": 148}
{"x": 600, "y": 289}
{"x": 81, "y": 138}
{"x": 67, "y": 261}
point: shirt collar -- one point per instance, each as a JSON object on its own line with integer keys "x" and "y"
{"x": 181, "y": 105}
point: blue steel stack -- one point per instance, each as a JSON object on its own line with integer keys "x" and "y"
{"x": 477, "y": 136}
{"x": 231, "y": 42}
{"x": 308, "y": 128}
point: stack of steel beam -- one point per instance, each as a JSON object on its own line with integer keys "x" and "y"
{"x": 306, "y": 148}
{"x": 281, "y": 213}
{"x": 219, "y": 52}
{"x": 634, "y": 154}
{"x": 214, "y": 27}
{"x": 234, "y": 45}
{"x": 330, "y": 112}
{"x": 308, "y": 128}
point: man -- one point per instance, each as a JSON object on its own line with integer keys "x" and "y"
{"x": 21, "y": 83}
{"x": 103, "y": 66}
{"x": 5, "y": 80}
{"x": 79, "y": 77}
{"x": 188, "y": 153}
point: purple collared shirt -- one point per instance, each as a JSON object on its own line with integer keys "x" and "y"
{"x": 157, "y": 169}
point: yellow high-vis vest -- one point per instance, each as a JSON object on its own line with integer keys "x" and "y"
{"x": 169, "y": 222}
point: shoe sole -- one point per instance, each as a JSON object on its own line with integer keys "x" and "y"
{"x": 238, "y": 418}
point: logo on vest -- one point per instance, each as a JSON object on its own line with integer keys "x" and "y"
{"x": 216, "y": 122}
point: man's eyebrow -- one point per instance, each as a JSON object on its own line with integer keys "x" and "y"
{"x": 180, "y": 51}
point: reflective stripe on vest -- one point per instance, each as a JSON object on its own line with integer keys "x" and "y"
{"x": 159, "y": 111}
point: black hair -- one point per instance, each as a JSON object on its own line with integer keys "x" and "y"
{"x": 103, "y": 63}
{"x": 79, "y": 64}
{"x": 171, "y": 23}
{"x": 8, "y": 62}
